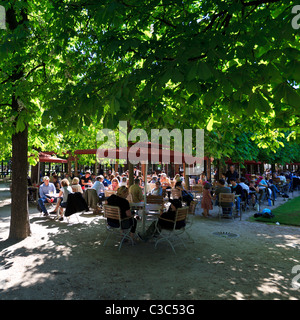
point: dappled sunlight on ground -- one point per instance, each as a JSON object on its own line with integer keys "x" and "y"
{"x": 68, "y": 261}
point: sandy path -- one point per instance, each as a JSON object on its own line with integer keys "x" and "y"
{"x": 68, "y": 261}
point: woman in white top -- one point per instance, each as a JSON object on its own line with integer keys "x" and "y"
{"x": 76, "y": 187}
{"x": 123, "y": 182}
{"x": 63, "y": 195}
{"x": 64, "y": 192}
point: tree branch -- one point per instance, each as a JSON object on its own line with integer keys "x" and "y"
{"x": 258, "y": 2}
{"x": 165, "y": 22}
{"x": 197, "y": 58}
{"x": 32, "y": 70}
{"x": 213, "y": 19}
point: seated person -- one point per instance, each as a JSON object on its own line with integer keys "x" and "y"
{"x": 165, "y": 184}
{"x": 56, "y": 182}
{"x": 177, "y": 178}
{"x": 120, "y": 201}
{"x": 272, "y": 186}
{"x": 86, "y": 180}
{"x": 136, "y": 192}
{"x": 63, "y": 195}
{"x": 163, "y": 224}
{"x": 220, "y": 189}
{"x": 44, "y": 189}
{"x": 53, "y": 176}
{"x": 238, "y": 190}
{"x": 253, "y": 189}
{"x": 243, "y": 184}
{"x": 76, "y": 187}
{"x": 123, "y": 181}
{"x": 245, "y": 189}
{"x": 262, "y": 186}
{"x": 154, "y": 179}
{"x": 114, "y": 184}
{"x": 99, "y": 187}
{"x": 157, "y": 190}
{"x": 106, "y": 181}
{"x": 282, "y": 178}
{"x": 186, "y": 197}
{"x": 224, "y": 177}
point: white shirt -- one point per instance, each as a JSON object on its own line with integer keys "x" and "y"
{"x": 282, "y": 178}
{"x": 244, "y": 186}
{"x": 66, "y": 191}
{"x": 76, "y": 188}
{"x": 99, "y": 187}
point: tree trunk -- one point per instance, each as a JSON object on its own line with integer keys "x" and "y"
{"x": 35, "y": 173}
{"x": 19, "y": 223}
{"x": 130, "y": 169}
{"x": 273, "y": 168}
{"x": 130, "y": 165}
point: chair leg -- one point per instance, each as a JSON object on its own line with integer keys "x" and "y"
{"x": 170, "y": 236}
{"x": 108, "y": 236}
{"x": 125, "y": 235}
{"x": 118, "y": 232}
{"x": 121, "y": 243}
{"x": 166, "y": 239}
{"x": 189, "y": 236}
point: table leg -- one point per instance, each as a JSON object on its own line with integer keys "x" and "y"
{"x": 144, "y": 220}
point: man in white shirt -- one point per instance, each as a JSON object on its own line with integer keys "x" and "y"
{"x": 99, "y": 186}
{"x": 243, "y": 184}
{"x": 282, "y": 178}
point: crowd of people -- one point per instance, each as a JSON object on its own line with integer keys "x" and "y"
{"x": 250, "y": 189}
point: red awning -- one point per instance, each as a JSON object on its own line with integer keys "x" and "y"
{"x": 156, "y": 153}
{"x": 252, "y": 162}
{"x": 244, "y": 162}
{"x": 86, "y": 151}
{"x": 94, "y": 151}
{"x": 45, "y": 157}
{"x": 150, "y": 155}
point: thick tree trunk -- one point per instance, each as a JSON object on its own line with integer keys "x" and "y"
{"x": 19, "y": 223}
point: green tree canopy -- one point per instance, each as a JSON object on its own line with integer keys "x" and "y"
{"x": 215, "y": 60}
{"x": 65, "y": 65}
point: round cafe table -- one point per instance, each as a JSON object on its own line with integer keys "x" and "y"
{"x": 149, "y": 209}
{"x": 52, "y": 195}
